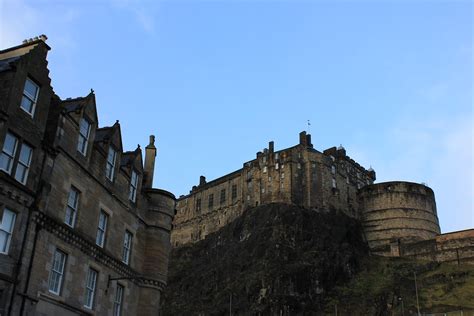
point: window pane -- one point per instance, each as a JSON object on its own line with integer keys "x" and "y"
{"x": 25, "y": 155}
{"x": 90, "y": 288}
{"x": 21, "y": 173}
{"x": 4, "y": 237}
{"x": 84, "y": 127}
{"x": 101, "y": 229}
{"x": 109, "y": 171}
{"x": 31, "y": 89}
{"x": 27, "y": 104}
{"x": 9, "y": 145}
{"x": 57, "y": 272}
{"x": 72, "y": 198}
{"x": 84, "y": 130}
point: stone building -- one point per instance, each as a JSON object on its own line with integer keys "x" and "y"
{"x": 298, "y": 175}
{"x": 391, "y": 213}
{"x": 398, "y": 218}
{"x": 82, "y": 230}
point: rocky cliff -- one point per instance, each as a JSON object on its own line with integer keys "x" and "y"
{"x": 279, "y": 259}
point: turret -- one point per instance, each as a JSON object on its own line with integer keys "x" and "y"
{"x": 150, "y": 154}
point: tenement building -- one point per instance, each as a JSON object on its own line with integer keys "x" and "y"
{"x": 82, "y": 232}
{"x": 398, "y": 218}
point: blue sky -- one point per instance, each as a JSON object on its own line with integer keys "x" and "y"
{"x": 216, "y": 80}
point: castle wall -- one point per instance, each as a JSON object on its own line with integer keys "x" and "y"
{"x": 297, "y": 175}
{"x": 456, "y": 247}
{"x": 397, "y": 210}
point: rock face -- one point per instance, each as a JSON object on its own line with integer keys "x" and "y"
{"x": 276, "y": 259}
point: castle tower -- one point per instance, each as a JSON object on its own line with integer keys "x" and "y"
{"x": 394, "y": 212}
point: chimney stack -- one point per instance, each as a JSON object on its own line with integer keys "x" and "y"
{"x": 202, "y": 180}
{"x": 271, "y": 147}
{"x": 303, "y": 139}
{"x": 150, "y": 154}
{"x": 308, "y": 141}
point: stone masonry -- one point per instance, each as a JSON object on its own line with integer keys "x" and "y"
{"x": 83, "y": 231}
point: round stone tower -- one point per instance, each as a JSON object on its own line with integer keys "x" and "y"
{"x": 394, "y": 212}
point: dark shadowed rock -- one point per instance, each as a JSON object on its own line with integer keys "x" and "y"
{"x": 275, "y": 259}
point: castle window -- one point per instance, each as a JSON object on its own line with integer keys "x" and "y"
{"x": 334, "y": 183}
{"x": 263, "y": 190}
{"x": 248, "y": 197}
{"x": 101, "y": 229}
{"x": 276, "y": 156}
{"x": 133, "y": 186}
{"x": 110, "y": 167}
{"x": 264, "y": 159}
{"x": 118, "y": 300}
{"x": 91, "y": 282}
{"x": 298, "y": 165}
{"x": 269, "y": 179}
{"x": 282, "y": 166}
{"x": 6, "y": 230}
{"x": 347, "y": 180}
{"x": 198, "y": 205}
{"x": 210, "y": 201}
{"x": 265, "y": 169}
{"x": 71, "y": 208}
{"x": 234, "y": 191}
{"x": 57, "y": 272}
{"x": 30, "y": 97}
{"x": 282, "y": 175}
{"x": 333, "y": 169}
{"x": 84, "y": 132}
{"x": 127, "y": 247}
{"x": 276, "y": 166}
{"x": 222, "y": 196}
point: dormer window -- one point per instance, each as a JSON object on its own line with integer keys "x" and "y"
{"x": 30, "y": 97}
{"x": 133, "y": 186}
{"x": 110, "y": 167}
{"x": 84, "y": 132}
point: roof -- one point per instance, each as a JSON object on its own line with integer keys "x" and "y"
{"x": 24, "y": 48}
{"x": 102, "y": 134}
{"x": 127, "y": 158}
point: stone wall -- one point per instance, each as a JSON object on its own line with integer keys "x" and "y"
{"x": 456, "y": 247}
{"x": 397, "y": 210}
{"x": 297, "y": 175}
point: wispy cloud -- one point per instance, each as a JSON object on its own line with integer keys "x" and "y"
{"x": 142, "y": 11}
{"x": 16, "y": 19}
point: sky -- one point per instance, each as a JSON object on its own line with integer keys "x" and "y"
{"x": 215, "y": 81}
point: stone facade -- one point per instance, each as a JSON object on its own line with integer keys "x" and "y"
{"x": 456, "y": 247}
{"x": 398, "y": 218}
{"x": 83, "y": 231}
{"x": 298, "y": 175}
{"x": 403, "y": 211}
